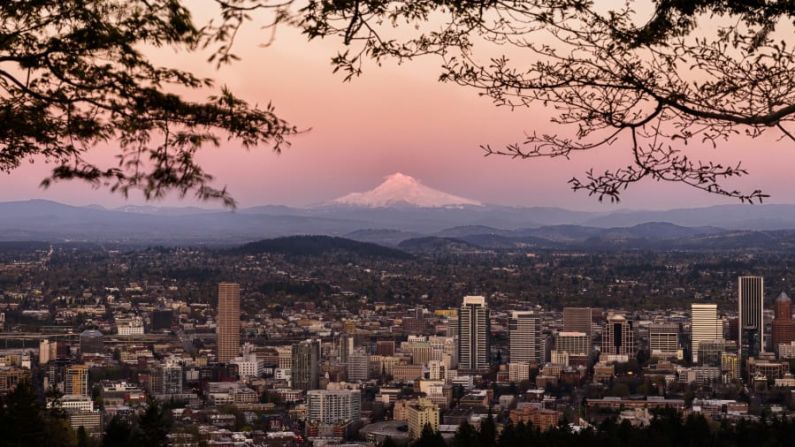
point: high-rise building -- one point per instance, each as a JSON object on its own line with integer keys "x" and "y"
{"x": 705, "y": 326}
{"x": 358, "y": 366}
{"x": 345, "y": 346}
{"x": 306, "y": 365}
{"x": 573, "y": 343}
{"x": 76, "y": 380}
{"x": 167, "y": 379}
{"x": 618, "y": 336}
{"x": 423, "y": 413}
{"x": 578, "y": 319}
{"x": 783, "y": 325}
{"x": 228, "y": 325}
{"x": 664, "y": 340}
{"x": 751, "y": 325}
{"x": 474, "y": 326}
{"x": 524, "y": 331}
{"x": 47, "y": 351}
{"x": 332, "y": 407}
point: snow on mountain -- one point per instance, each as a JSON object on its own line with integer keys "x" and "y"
{"x": 400, "y": 189}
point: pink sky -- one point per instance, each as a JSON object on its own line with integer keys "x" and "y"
{"x": 398, "y": 119}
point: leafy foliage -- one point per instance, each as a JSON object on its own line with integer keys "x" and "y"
{"x": 74, "y": 75}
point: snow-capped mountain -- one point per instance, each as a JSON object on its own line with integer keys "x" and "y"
{"x": 402, "y": 190}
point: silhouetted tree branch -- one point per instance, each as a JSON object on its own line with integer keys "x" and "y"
{"x": 74, "y": 75}
{"x": 652, "y": 81}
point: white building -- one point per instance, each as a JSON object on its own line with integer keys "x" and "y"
{"x": 518, "y": 371}
{"x": 705, "y": 326}
{"x": 525, "y": 337}
{"x": 133, "y": 326}
{"x": 72, "y": 402}
{"x": 247, "y": 366}
{"x": 329, "y": 407}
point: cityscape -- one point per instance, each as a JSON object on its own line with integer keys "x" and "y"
{"x": 386, "y": 223}
{"x": 312, "y": 360}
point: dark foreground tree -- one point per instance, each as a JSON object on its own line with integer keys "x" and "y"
{"x": 75, "y": 75}
{"x": 651, "y": 77}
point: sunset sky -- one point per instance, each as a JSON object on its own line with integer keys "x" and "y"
{"x": 398, "y": 119}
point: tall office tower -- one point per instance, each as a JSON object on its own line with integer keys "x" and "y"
{"x": 524, "y": 329}
{"x": 573, "y": 343}
{"x": 664, "y": 340}
{"x": 578, "y": 319}
{"x": 76, "y": 380}
{"x": 705, "y": 326}
{"x": 306, "y": 365}
{"x": 783, "y": 324}
{"x": 331, "y": 407}
{"x": 618, "y": 336}
{"x": 228, "y": 324}
{"x": 358, "y": 366}
{"x": 751, "y": 325}
{"x": 345, "y": 347}
{"x": 474, "y": 329}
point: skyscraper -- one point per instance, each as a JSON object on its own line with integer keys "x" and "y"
{"x": 345, "y": 346}
{"x": 76, "y": 380}
{"x": 750, "y": 299}
{"x": 618, "y": 336}
{"x": 664, "y": 340}
{"x": 783, "y": 324}
{"x": 330, "y": 407}
{"x": 524, "y": 330}
{"x": 704, "y": 327}
{"x": 358, "y": 366}
{"x": 228, "y": 325}
{"x": 578, "y": 319}
{"x": 473, "y": 335}
{"x": 306, "y": 365}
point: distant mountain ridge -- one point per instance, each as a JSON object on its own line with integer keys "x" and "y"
{"x": 486, "y": 225}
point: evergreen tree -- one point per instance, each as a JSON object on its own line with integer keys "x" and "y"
{"x": 118, "y": 433}
{"x": 153, "y": 426}
{"x": 430, "y": 438}
{"x": 488, "y": 432}
{"x": 82, "y": 437}
{"x": 388, "y": 442}
{"x": 465, "y": 436}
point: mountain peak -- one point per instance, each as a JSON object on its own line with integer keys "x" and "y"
{"x": 401, "y": 189}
